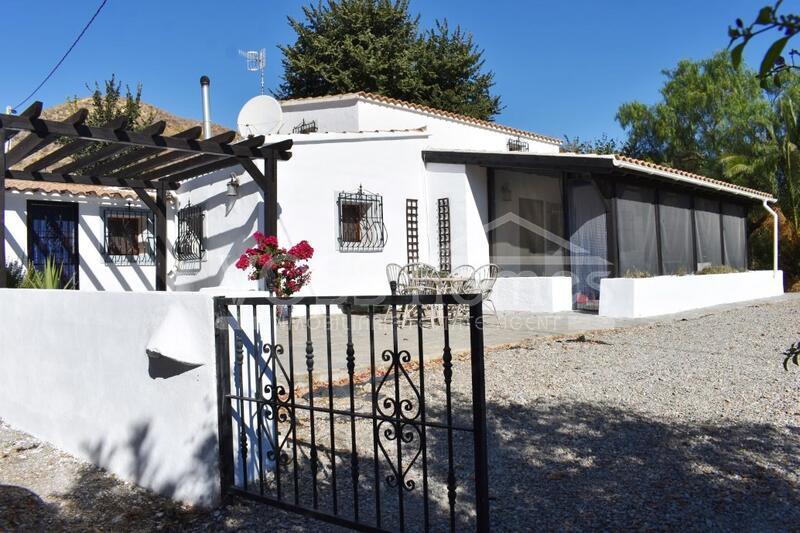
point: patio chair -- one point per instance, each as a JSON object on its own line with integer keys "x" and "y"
{"x": 484, "y": 279}
{"x": 393, "y": 274}
{"x": 420, "y": 279}
{"x": 464, "y": 272}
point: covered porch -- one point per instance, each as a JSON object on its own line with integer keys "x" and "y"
{"x": 563, "y": 226}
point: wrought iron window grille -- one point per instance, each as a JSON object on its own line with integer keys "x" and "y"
{"x": 517, "y": 145}
{"x": 305, "y": 127}
{"x": 129, "y": 236}
{"x": 361, "y": 227}
{"x": 190, "y": 244}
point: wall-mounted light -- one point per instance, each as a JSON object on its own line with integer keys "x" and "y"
{"x": 233, "y": 186}
{"x": 232, "y": 193}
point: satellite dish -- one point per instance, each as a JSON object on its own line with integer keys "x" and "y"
{"x": 261, "y": 115}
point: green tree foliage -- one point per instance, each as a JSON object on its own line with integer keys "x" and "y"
{"x": 708, "y": 109}
{"x": 716, "y": 119}
{"x": 769, "y": 20}
{"x": 602, "y": 145}
{"x": 376, "y": 46}
{"x": 109, "y": 103}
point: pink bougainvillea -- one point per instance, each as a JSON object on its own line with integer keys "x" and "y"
{"x": 285, "y": 269}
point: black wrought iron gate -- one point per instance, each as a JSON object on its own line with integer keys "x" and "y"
{"x": 348, "y": 417}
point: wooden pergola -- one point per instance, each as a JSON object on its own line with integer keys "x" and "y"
{"x": 143, "y": 161}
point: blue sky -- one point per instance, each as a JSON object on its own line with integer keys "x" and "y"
{"x": 561, "y": 67}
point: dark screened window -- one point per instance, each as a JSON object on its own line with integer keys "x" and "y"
{"x": 707, "y": 232}
{"x": 675, "y": 218}
{"x": 636, "y": 230}
{"x": 733, "y": 234}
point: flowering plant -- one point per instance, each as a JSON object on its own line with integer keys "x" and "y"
{"x": 285, "y": 270}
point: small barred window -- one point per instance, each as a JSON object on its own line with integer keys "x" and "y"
{"x": 361, "y": 227}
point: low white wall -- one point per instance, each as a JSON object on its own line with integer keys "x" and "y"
{"x": 661, "y": 295}
{"x": 74, "y": 371}
{"x": 541, "y": 294}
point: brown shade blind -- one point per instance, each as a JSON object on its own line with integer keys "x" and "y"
{"x": 123, "y": 235}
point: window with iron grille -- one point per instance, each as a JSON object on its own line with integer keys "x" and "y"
{"x": 129, "y": 236}
{"x": 444, "y": 235}
{"x": 190, "y": 244}
{"x": 517, "y": 145}
{"x": 412, "y": 231}
{"x": 361, "y": 227}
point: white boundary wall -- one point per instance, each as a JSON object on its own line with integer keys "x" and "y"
{"x": 661, "y": 295}
{"x": 74, "y": 371}
{"x": 541, "y": 294}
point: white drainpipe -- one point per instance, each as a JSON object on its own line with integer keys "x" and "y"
{"x": 774, "y": 237}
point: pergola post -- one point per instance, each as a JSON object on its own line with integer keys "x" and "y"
{"x": 159, "y": 209}
{"x": 3, "y": 274}
{"x": 268, "y": 183}
{"x": 161, "y": 237}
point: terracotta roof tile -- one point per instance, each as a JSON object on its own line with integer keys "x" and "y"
{"x": 663, "y": 168}
{"x": 70, "y": 188}
{"x": 438, "y": 112}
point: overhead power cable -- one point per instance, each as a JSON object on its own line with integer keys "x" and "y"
{"x": 53, "y": 70}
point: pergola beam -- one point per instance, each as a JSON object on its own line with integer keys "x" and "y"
{"x": 143, "y": 154}
{"x": 153, "y": 162}
{"x": 43, "y": 127}
{"x": 33, "y": 142}
{"x": 107, "y": 152}
{"x": 80, "y": 179}
{"x": 182, "y": 167}
{"x": 68, "y": 149}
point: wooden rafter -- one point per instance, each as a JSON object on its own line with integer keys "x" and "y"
{"x": 33, "y": 142}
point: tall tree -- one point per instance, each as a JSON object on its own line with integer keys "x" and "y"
{"x": 376, "y": 46}
{"x": 708, "y": 109}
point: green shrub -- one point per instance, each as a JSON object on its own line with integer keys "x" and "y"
{"x": 718, "y": 269}
{"x": 47, "y": 278}
{"x": 15, "y": 273}
{"x": 637, "y": 274}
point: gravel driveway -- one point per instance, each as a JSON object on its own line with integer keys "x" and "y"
{"x": 682, "y": 424}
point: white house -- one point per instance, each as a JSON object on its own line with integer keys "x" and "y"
{"x": 374, "y": 180}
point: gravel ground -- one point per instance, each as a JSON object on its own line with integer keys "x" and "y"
{"x": 682, "y": 424}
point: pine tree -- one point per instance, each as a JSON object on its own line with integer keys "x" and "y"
{"x": 376, "y": 46}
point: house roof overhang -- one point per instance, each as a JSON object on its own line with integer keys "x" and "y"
{"x": 612, "y": 164}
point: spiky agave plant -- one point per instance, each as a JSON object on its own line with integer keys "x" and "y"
{"x": 50, "y": 277}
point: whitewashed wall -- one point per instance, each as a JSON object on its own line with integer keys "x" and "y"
{"x": 308, "y": 184}
{"x": 640, "y": 297}
{"x": 95, "y": 273}
{"x": 74, "y": 371}
{"x": 445, "y": 133}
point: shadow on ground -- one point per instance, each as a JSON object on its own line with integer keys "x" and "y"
{"x": 552, "y": 466}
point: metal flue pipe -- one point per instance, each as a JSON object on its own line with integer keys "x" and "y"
{"x": 204, "y": 88}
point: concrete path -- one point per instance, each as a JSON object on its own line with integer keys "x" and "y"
{"x": 507, "y": 328}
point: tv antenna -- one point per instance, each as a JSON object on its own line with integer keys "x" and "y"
{"x": 256, "y": 62}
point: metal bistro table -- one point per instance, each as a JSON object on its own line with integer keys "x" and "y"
{"x": 438, "y": 285}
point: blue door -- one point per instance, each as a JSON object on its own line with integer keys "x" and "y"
{"x": 53, "y": 234}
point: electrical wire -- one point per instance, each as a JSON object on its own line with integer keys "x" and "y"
{"x": 53, "y": 70}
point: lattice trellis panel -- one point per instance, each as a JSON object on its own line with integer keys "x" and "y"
{"x": 445, "y": 260}
{"x": 412, "y": 231}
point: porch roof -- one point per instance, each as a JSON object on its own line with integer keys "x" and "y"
{"x": 572, "y": 162}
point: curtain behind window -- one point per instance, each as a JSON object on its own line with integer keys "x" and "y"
{"x": 707, "y": 232}
{"x": 675, "y": 217}
{"x": 733, "y": 234}
{"x": 636, "y": 230}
